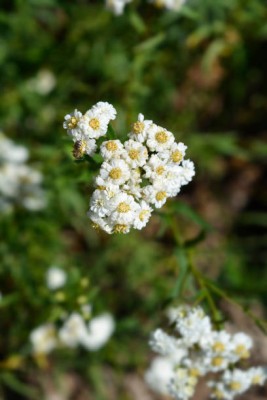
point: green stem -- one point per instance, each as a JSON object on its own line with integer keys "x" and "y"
{"x": 202, "y": 285}
{"x": 260, "y": 323}
{"x": 199, "y": 279}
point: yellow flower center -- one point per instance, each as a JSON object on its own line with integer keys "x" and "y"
{"x": 115, "y": 173}
{"x": 95, "y": 226}
{"x": 123, "y": 207}
{"x": 138, "y": 127}
{"x": 94, "y": 123}
{"x": 235, "y": 385}
{"x": 160, "y": 170}
{"x": 161, "y": 196}
{"x": 72, "y": 122}
{"x": 161, "y": 137}
{"x": 242, "y": 351}
{"x": 218, "y": 394}
{"x": 219, "y": 347}
{"x": 194, "y": 372}
{"x": 217, "y": 361}
{"x": 176, "y": 156}
{"x": 143, "y": 214}
{"x": 119, "y": 228}
{"x": 101, "y": 187}
{"x": 111, "y": 146}
{"x": 256, "y": 379}
{"x": 133, "y": 154}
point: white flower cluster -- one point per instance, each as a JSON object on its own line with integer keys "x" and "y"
{"x": 85, "y": 129}
{"x": 135, "y": 175}
{"x": 198, "y": 350}
{"x": 19, "y": 183}
{"x": 74, "y": 331}
{"x": 117, "y": 6}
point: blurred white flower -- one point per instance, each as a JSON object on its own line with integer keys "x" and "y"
{"x": 159, "y": 374}
{"x": 19, "y": 183}
{"x": 99, "y": 331}
{"x": 72, "y": 332}
{"x": 55, "y": 278}
{"x": 43, "y": 83}
{"x": 43, "y": 339}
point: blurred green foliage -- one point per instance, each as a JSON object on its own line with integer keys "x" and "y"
{"x": 201, "y": 73}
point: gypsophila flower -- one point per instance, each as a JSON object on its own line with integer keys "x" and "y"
{"x": 197, "y": 350}
{"x": 135, "y": 175}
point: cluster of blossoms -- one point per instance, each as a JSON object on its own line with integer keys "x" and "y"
{"x": 198, "y": 350}
{"x": 117, "y": 6}
{"x": 19, "y": 183}
{"x": 136, "y": 175}
{"x": 72, "y": 330}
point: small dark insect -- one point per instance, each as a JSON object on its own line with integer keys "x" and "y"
{"x": 78, "y": 149}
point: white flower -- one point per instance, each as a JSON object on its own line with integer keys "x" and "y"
{"x": 43, "y": 339}
{"x": 19, "y": 184}
{"x": 142, "y": 215}
{"x": 162, "y": 343}
{"x": 100, "y": 203}
{"x": 34, "y": 201}
{"x": 241, "y": 345}
{"x": 220, "y": 343}
{"x": 71, "y": 124}
{"x": 111, "y": 149}
{"x": 182, "y": 386}
{"x": 55, "y": 278}
{"x": 215, "y": 363}
{"x": 116, "y": 6}
{"x": 187, "y": 171}
{"x": 155, "y": 194}
{"x": 159, "y": 139}
{"x": 219, "y": 391}
{"x": 174, "y": 5}
{"x": 194, "y": 326}
{"x": 104, "y": 110}
{"x": 257, "y": 375}
{"x": 175, "y": 154}
{"x": 11, "y": 152}
{"x": 99, "y": 222}
{"x": 73, "y": 330}
{"x": 137, "y": 154}
{"x": 116, "y": 171}
{"x": 156, "y": 169}
{"x": 93, "y": 125}
{"x": 43, "y": 83}
{"x": 236, "y": 381}
{"x": 139, "y": 129}
{"x": 159, "y": 374}
{"x": 124, "y": 207}
{"x": 99, "y": 331}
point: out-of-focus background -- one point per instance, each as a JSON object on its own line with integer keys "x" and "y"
{"x": 199, "y": 72}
